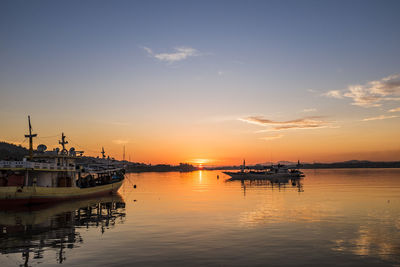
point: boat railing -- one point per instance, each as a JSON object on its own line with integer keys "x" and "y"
{"x": 34, "y": 165}
{"x": 12, "y": 164}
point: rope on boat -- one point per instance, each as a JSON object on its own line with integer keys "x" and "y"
{"x": 81, "y": 147}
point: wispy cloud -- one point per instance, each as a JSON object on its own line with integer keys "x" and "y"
{"x": 269, "y": 138}
{"x": 179, "y": 53}
{"x": 314, "y": 122}
{"x": 297, "y": 127}
{"x": 394, "y": 110}
{"x": 120, "y": 141}
{"x": 371, "y": 94}
{"x": 312, "y": 91}
{"x": 117, "y": 123}
{"x": 381, "y": 117}
{"x": 120, "y": 123}
{"x": 306, "y": 110}
{"x": 219, "y": 118}
{"x": 334, "y": 94}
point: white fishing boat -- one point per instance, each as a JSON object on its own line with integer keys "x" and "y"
{"x": 48, "y": 176}
{"x": 278, "y": 171}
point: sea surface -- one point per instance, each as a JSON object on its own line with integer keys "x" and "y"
{"x": 331, "y": 217}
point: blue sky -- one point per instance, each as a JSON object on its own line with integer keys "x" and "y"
{"x": 189, "y": 64}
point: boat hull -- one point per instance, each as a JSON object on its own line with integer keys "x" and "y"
{"x": 27, "y": 195}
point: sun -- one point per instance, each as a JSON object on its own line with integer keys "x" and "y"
{"x": 199, "y": 162}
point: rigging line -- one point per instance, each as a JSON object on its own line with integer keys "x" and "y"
{"x": 50, "y": 143}
{"x": 15, "y": 142}
{"x": 51, "y": 136}
{"x": 23, "y": 141}
{"x": 82, "y": 147}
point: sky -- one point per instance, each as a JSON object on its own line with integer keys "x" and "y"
{"x": 211, "y": 82}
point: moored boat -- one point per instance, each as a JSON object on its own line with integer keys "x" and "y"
{"x": 49, "y": 176}
{"x": 273, "y": 172}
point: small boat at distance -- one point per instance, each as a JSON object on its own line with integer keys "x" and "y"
{"x": 278, "y": 171}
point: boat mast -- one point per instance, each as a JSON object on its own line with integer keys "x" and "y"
{"x": 124, "y": 154}
{"x": 30, "y": 136}
{"x": 103, "y": 153}
{"x": 63, "y": 143}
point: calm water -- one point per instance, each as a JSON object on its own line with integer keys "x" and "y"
{"x": 346, "y": 217}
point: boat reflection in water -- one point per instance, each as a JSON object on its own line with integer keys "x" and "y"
{"x": 35, "y": 230}
{"x": 274, "y": 183}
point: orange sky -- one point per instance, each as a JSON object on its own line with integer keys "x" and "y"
{"x": 221, "y": 143}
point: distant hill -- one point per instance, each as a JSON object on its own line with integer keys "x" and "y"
{"x": 12, "y": 152}
{"x": 353, "y": 164}
{"x": 287, "y": 162}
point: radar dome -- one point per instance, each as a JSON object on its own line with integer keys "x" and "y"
{"x": 41, "y": 148}
{"x": 72, "y": 151}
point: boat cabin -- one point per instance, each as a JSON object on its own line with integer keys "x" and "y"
{"x": 50, "y": 169}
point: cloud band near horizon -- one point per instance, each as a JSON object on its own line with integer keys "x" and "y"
{"x": 313, "y": 122}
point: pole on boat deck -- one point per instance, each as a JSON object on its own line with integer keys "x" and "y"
{"x": 63, "y": 143}
{"x": 103, "y": 153}
{"x": 30, "y": 136}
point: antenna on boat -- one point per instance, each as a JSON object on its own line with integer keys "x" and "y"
{"x": 63, "y": 143}
{"x": 30, "y": 136}
{"x": 124, "y": 154}
{"x": 103, "y": 153}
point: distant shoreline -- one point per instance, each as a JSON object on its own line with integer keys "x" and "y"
{"x": 218, "y": 169}
{"x": 354, "y": 164}
{"x": 13, "y": 152}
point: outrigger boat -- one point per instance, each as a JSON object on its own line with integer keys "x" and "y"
{"x": 270, "y": 173}
{"x": 49, "y": 176}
